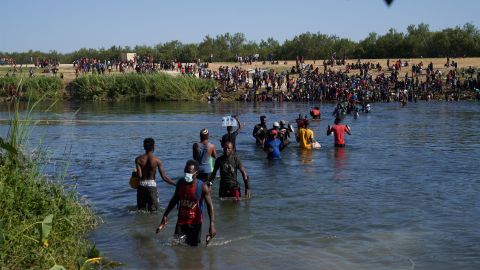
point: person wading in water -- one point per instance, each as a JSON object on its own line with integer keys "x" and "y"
{"x": 190, "y": 194}
{"x": 202, "y": 152}
{"x": 146, "y": 166}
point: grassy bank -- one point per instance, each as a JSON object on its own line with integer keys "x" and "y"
{"x": 159, "y": 87}
{"x": 42, "y": 224}
{"x": 31, "y": 88}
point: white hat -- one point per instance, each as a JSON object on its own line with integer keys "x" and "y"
{"x": 276, "y": 124}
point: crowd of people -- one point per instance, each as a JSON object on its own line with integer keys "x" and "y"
{"x": 305, "y": 82}
{"x": 366, "y": 81}
{"x": 193, "y": 190}
{"x": 309, "y": 84}
{"x": 7, "y": 61}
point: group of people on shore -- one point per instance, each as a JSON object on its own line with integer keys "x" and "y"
{"x": 193, "y": 190}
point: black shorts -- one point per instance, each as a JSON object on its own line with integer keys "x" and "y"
{"x": 203, "y": 176}
{"x": 339, "y": 145}
{"x": 192, "y": 232}
{"x": 147, "y": 198}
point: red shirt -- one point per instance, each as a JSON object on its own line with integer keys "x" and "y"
{"x": 339, "y": 133}
{"x": 189, "y": 202}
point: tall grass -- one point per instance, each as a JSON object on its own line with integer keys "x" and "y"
{"x": 42, "y": 223}
{"x": 159, "y": 87}
{"x": 32, "y": 88}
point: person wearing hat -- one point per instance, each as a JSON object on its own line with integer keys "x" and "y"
{"x": 273, "y": 145}
{"x": 260, "y": 131}
{"x": 231, "y": 136}
{"x": 306, "y": 138}
{"x": 285, "y": 131}
{"x": 202, "y": 152}
{"x": 275, "y": 126}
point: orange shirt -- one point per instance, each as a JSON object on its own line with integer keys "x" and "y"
{"x": 339, "y": 133}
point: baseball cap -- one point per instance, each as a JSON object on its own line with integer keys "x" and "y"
{"x": 276, "y": 124}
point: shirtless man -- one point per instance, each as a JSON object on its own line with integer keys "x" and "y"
{"x": 147, "y": 165}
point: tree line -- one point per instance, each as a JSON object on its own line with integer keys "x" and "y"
{"x": 417, "y": 41}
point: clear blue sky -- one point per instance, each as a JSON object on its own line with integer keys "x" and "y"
{"x": 68, "y": 25}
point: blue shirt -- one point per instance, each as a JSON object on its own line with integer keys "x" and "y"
{"x": 275, "y": 145}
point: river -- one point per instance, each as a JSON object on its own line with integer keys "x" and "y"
{"x": 403, "y": 194}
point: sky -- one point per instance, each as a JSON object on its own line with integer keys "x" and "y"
{"x": 68, "y": 25}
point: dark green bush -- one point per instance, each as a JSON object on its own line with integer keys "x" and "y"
{"x": 160, "y": 87}
{"x": 32, "y": 88}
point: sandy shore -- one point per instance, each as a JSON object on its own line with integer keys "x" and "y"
{"x": 438, "y": 63}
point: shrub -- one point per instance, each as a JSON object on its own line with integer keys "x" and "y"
{"x": 160, "y": 87}
{"x": 32, "y": 88}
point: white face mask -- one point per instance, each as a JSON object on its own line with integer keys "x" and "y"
{"x": 188, "y": 177}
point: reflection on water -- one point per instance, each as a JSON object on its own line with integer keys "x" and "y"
{"x": 341, "y": 172}
{"x": 402, "y": 194}
{"x": 306, "y": 156}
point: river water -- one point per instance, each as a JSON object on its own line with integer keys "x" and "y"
{"x": 403, "y": 194}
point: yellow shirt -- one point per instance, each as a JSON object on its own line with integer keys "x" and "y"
{"x": 305, "y": 136}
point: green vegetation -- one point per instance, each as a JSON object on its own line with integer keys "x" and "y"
{"x": 31, "y": 88}
{"x": 417, "y": 41}
{"x": 42, "y": 224}
{"x": 159, "y": 87}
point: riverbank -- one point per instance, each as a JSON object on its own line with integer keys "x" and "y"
{"x": 159, "y": 85}
{"x": 149, "y": 87}
{"x": 131, "y": 86}
{"x": 43, "y": 224}
{"x": 31, "y": 88}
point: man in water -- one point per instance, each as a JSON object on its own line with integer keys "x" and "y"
{"x": 284, "y": 131}
{"x": 300, "y": 121}
{"x": 273, "y": 145}
{"x": 306, "y": 138}
{"x": 260, "y": 131}
{"x": 339, "y": 131}
{"x": 315, "y": 113}
{"x": 275, "y": 126}
{"x": 202, "y": 152}
{"x": 190, "y": 194}
{"x": 146, "y": 166}
{"x": 229, "y": 164}
{"x": 231, "y": 136}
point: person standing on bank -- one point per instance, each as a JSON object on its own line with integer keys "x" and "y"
{"x": 229, "y": 164}
{"x": 146, "y": 166}
{"x": 190, "y": 194}
{"x": 202, "y": 152}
